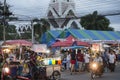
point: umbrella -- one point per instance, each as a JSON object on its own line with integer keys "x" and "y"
{"x": 18, "y": 42}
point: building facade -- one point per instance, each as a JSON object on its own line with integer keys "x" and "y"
{"x": 60, "y": 13}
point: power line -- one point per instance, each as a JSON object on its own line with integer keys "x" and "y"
{"x": 88, "y": 5}
{"x": 92, "y": 7}
{"x": 77, "y": 17}
{"x": 98, "y": 3}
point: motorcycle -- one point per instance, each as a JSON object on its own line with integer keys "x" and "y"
{"x": 96, "y": 70}
{"x": 12, "y": 71}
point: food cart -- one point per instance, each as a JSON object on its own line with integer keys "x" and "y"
{"x": 50, "y": 64}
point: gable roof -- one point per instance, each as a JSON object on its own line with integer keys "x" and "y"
{"x": 95, "y": 35}
{"x": 83, "y": 34}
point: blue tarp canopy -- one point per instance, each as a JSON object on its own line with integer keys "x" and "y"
{"x": 73, "y": 47}
{"x": 51, "y": 36}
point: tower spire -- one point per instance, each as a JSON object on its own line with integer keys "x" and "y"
{"x": 62, "y": 9}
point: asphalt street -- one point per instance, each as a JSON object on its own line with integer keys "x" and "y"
{"x": 86, "y": 76}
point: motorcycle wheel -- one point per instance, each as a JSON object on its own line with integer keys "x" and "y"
{"x": 100, "y": 75}
{"x": 36, "y": 76}
{"x": 62, "y": 69}
{"x": 56, "y": 75}
{"x": 8, "y": 78}
{"x": 92, "y": 76}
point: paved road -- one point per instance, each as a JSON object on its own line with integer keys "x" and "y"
{"x": 86, "y": 76}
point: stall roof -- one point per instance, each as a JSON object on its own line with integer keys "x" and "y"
{"x": 95, "y": 35}
{"x": 81, "y": 34}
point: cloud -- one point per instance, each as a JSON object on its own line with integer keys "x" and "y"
{"x": 38, "y": 8}
{"x": 29, "y": 7}
{"x": 26, "y": 3}
{"x": 115, "y": 26}
{"x": 114, "y": 19}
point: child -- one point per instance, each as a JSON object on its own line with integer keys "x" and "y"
{"x": 64, "y": 63}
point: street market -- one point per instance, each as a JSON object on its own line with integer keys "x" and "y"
{"x": 57, "y": 40}
{"x": 48, "y": 60}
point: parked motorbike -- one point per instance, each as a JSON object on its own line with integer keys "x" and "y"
{"x": 96, "y": 70}
{"x": 12, "y": 71}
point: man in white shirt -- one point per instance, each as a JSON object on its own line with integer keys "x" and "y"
{"x": 87, "y": 60}
{"x": 112, "y": 59}
{"x": 68, "y": 60}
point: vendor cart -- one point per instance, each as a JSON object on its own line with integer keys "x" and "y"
{"x": 50, "y": 70}
{"x": 49, "y": 66}
{"x": 53, "y": 72}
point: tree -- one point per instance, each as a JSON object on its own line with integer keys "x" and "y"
{"x": 10, "y": 29}
{"x": 11, "y": 33}
{"x": 95, "y": 22}
{"x": 5, "y": 7}
{"x": 41, "y": 27}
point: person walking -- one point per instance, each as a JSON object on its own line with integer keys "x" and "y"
{"x": 68, "y": 57}
{"x": 73, "y": 61}
{"x": 112, "y": 60}
{"x": 64, "y": 62}
{"x": 105, "y": 60}
{"x": 80, "y": 60}
{"x": 87, "y": 60}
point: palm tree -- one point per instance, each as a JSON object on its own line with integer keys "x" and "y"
{"x": 95, "y": 22}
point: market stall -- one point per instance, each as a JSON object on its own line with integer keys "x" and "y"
{"x": 50, "y": 63}
{"x": 15, "y": 47}
{"x": 18, "y": 42}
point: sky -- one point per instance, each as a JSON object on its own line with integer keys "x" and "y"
{"x": 38, "y": 8}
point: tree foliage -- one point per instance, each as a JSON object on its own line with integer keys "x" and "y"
{"x": 10, "y": 29}
{"x": 95, "y": 22}
{"x": 41, "y": 27}
{"x": 11, "y": 32}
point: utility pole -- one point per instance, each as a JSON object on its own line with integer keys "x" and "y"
{"x": 32, "y": 27}
{"x": 4, "y": 21}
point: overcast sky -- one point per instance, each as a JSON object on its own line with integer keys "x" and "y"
{"x": 38, "y": 8}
